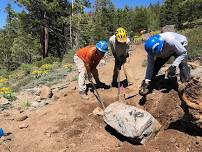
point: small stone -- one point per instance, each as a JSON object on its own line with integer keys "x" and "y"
{"x": 65, "y": 94}
{"x": 172, "y": 140}
{"x": 43, "y": 103}
{"x": 21, "y": 111}
{"x": 56, "y": 97}
{"x": 73, "y": 88}
{"x": 10, "y": 119}
{"x": 22, "y": 126}
{"x": 6, "y": 114}
{"x": 119, "y": 144}
{"x": 6, "y": 138}
{"x": 98, "y": 111}
{"x": 72, "y": 145}
{"x": 22, "y": 118}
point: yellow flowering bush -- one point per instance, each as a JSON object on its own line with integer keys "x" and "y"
{"x": 7, "y": 93}
{"x": 46, "y": 67}
{"x": 5, "y": 90}
{"x": 43, "y": 70}
{"x": 3, "y": 80}
{"x": 39, "y": 72}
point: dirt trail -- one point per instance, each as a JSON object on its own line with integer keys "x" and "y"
{"x": 67, "y": 124}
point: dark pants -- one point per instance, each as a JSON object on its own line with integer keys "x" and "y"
{"x": 184, "y": 68}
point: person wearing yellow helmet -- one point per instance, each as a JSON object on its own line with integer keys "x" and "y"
{"x": 120, "y": 44}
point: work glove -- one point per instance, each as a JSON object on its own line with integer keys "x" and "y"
{"x": 143, "y": 90}
{"x": 171, "y": 72}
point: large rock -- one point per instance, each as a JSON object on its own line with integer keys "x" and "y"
{"x": 169, "y": 28}
{"x": 131, "y": 122}
{"x": 45, "y": 92}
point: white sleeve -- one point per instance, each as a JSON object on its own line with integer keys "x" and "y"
{"x": 180, "y": 51}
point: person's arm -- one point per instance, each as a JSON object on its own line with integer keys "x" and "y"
{"x": 180, "y": 51}
{"x": 143, "y": 90}
{"x": 150, "y": 67}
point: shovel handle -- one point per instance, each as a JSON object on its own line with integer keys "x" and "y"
{"x": 98, "y": 96}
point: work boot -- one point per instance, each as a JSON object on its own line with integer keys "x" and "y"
{"x": 83, "y": 95}
{"x": 102, "y": 85}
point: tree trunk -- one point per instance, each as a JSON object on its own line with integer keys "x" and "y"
{"x": 44, "y": 36}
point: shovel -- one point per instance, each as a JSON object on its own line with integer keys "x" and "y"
{"x": 97, "y": 94}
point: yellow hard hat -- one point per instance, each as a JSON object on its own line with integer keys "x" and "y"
{"x": 121, "y": 35}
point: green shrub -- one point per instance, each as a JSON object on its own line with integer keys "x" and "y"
{"x": 16, "y": 75}
{"x": 48, "y": 60}
{"x": 21, "y": 83}
{"x": 194, "y": 41}
{"x": 27, "y": 68}
{"x": 3, "y": 72}
{"x": 25, "y": 104}
{"x": 68, "y": 57}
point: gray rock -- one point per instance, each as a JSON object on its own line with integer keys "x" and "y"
{"x": 131, "y": 122}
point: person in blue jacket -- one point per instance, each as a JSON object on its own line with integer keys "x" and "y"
{"x": 160, "y": 48}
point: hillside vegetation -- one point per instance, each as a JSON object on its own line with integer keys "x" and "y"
{"x": 37, "y": 44}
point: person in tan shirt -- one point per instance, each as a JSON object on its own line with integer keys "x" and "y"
{"x": 120, "y": 45}
{"x": 86, "y": 60}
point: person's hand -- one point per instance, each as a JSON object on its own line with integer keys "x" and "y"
{"x": 171, "y": 71}
{"x": 143, "y": 90}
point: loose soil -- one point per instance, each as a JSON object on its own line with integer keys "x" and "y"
{"x": 68, "y": 125}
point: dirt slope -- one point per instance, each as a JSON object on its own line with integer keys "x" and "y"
{"x": 67, "y": 124}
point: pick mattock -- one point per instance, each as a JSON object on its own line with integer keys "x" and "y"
{"x": 97, "y": 94}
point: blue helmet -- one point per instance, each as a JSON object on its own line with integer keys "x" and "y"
{"x": 102, "y": 46}
{"x": 154, "y": 44}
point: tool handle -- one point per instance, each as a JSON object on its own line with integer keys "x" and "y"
{"x": 98, "y": 96}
